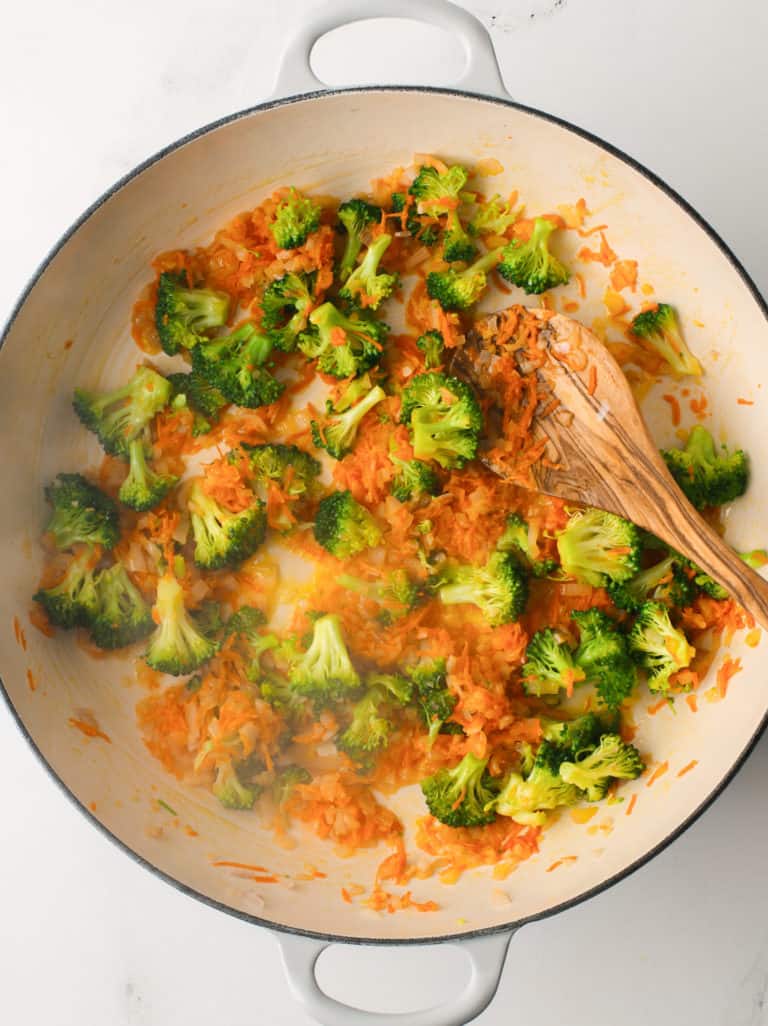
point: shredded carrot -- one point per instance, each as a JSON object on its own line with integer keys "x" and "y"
{"x": 674, "y": 406}
{"x": 745, "y": 402}
{"x": 688, "y": 767}
{"x": 604, "y": 255}
{"x": 692, "y": 703}
{"x": 31, "y": 681}
{"x": 89, "y": 729}
{"x": 631, "y": 805}
{"x": 653, "y": 709}
{"x": 346, "y": 895}
{"x": 239, "y": 865}
{"x": 659, "y": 772}
{"x": 624, "y": 275}
{"x": 592, "y": 380}
{"x": 729, "y": 668}
{"x": 564, "y": 861}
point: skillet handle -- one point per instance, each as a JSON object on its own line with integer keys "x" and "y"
{"x": 486, "y": 956}
{"x": 481, "y": 74}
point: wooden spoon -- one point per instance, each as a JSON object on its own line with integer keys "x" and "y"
{"x": 598, "y": 445}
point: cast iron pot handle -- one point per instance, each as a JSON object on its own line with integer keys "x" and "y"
{"x": 486, "y": 956}
{"x": 481, "y": 75}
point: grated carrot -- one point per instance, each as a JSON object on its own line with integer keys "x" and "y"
{"x": 692, "y": 703}
{"x": 674, "y": 407}
{"x": 31, "y": 681}
{"x": 729, "y": 668}
{"x": 631, "y": 805}
{"x": 688, "y": 767}
{"x": 89, "y": 729}
{"x": 659, "y": 772}
{"x": 745, "y": 402}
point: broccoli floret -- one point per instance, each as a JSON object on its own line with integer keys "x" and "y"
{"x": 73, "y": 602}
{"x": 431, "y": 343}
{"x": 458, "y": 290}
{"x": 440, "y": 193}
{"x": 209, "y": 618}
{"x": 397, "y": 587}
{"x": 223, "y": 538}
{"x": 576, "y": 737}
{"x": 177, "y": 646}
{"x": 344, "y": 346}
{"x": 549, "y": 665}
{"x": 659, "y": 647}
{"x": 143, "y": 488}
{"x": 277, "y": 692}
{"x": 285, "y": 306}
{"x": 707, "y": 477}
{"x": 368, "y": 730}
{"x": 230, "y": 790}
{"x": 203, "y": 399}
{"x": 597, "y": 547}
{"x": 660, "y": 329}
{"x": 81, "y": 513}
{"x": 245, "y": 623}
{"x": 436, "y": 703}
{"x": 663, "y": 582}
{"x": 603, "y": 654}
{"x": 324, "y": 673}
{"x": 344, "y": 527}
{"x": 366, "y": 286}
{"x": 516, "y": 539}
{"x": 530, "y": 265}
{"x": 493, "y": 217}
{"x": 285, "y": 783}
{"x": 499, "y": 589}
{"x": 122, "y": 616}
{"x": 459, "y": 797}
{"x": 527, "y": 799}
{"x": 294, "y": 468}
{"x": 184, "y": 315}
{"x": 444, "y": 417}
{"x": 338, "y": 431}
{"x": 394, "y": 685}
{"x": 356, "y": 215}
{"x": 413, "y": 479}
{"x": 296, "y": 217}
{"x": 119, "y": 416}
{"x": 611, "y": 760}
{"x": 426, "y": 232}
{"x": 238, "y": 365}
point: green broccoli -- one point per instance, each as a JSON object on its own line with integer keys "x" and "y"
{"x": 413, "y": 479}
{"x": 397, "y": 688}
{"x": 603, "y": 654}
{"x": 659, "y": 647}
{"x": 356, "y": 215}
{"x": 499, "y": 589}
{"x": 516, "y": 539}
{"x": 598, "y": 547}
{"x": 238, "y": 366}
{"x": 526, "y": 800}
{"x": 73, "y": 602}
{"x": 344, "y": 527}
{"x": 286, "y": 305}
{"x": 369, "y": 730}
{"x": 230, "y": 790}
{"x": 338, "y": 432}
{"x": 119, "y": 416}
{"x": 431, "y": 343}
{"x": 707, "y": 477}
{"x": 663, "y": 582}
{"x": 324, "y": 673}
{"x": 344, "y": 346}
{"x": 436, "y": 703}
{"x": 183, "y": 315}
{"x": 285, "y": 783}
{"x": 223, "y": 538}
{"x": 549, "y": 665}
{"x": 209, "y": 619}
{"x": 458, "y": 290}
{"x": 530, "y": 265}
{"x": 424, "y": 229}
{"x": 296, "y": 218}
{"x": 397, "y": 588}
{"x": 613, "y": 759}
{"x": 177, "y": 646}
{"x": 277, "y": 692}
{"x": 461, "y": 796}
{"x": 200, "y": 397}
{"x": 367, "y": 286}
{"x": 444, "y": 418}
{"x": 294, "y": 468}
{"x": 81, "y": 513}
{"x": 440, "y": 193}
{"x": 143, "y": 488}
{"x": 660, "y": 329}
{"x": 122, "y": 616}
{"x": 493, "y": 217}
{"x": 576, "y": 737}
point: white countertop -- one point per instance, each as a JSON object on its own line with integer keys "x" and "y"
{"x": 88, "y": 938}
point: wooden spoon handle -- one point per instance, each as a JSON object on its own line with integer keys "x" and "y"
{"x": 692, "y": 536}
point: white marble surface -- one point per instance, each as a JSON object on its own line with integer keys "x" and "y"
{"x": 90, "y": 88}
